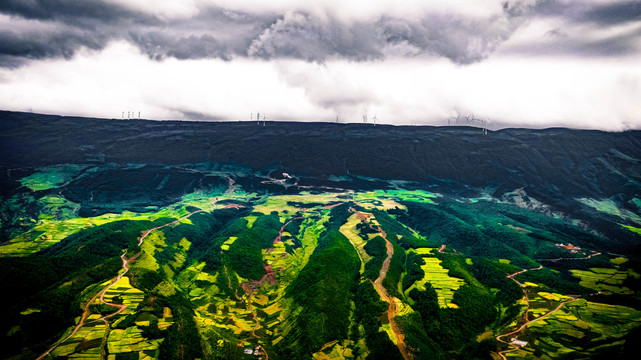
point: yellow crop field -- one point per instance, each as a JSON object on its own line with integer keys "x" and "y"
{"x": 130, "y": 296}
{"x": 89, "y": 334}
{"x": 280, "y": 204}
{"x": 436, "y": 275}
{"x": 351, "y": 232}
{"x": 130, "y": 340}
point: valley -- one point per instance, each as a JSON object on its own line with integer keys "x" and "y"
{"x": 204, "y": 254}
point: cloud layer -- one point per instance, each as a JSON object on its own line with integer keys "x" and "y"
{"x": 320, "y": 31}
{"x": 518, "y": 62}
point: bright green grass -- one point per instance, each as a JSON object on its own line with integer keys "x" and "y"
{"x": 482, "y": 198}
{"x": 51, "y": 177}
{"x": 279, "y": 203}
{"x": 410, "y": 195}
{"x": 167, "y": 319}
{"x": 228, "y": 242}
{"x": 51, "y": 229}
{"x": 619, "y": 260}
{"x": 89, "y": 332}
{"x": 30, "y": 311}
{"x": 575, "y": 320}
{"x": 395, "y": 195}
{"x": 222, "y": 317}
{"x": 131, "y": 296}
{"x": 276, "y": 256}
{"x": 351, "y": 232}
{"x": 604, "y": 280}
{"x": 553, "y": 296}
{"x": 154, "y": 241}
{"x": 608, "y": 206}
{"x": 57, "y": 207}
{"x": 311, "y": 232}
{"x": 632, "y": 228}
{"x": 425, "y": 251}
{"x": 336, "y": 351}
{"x": 187, "y": 281}
{"x": 130, "y": 340}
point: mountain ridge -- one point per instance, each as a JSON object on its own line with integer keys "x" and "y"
{"x": 507, "y": 159}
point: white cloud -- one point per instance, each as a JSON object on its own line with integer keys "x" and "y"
{"x": 347, "y": 10}
{"x": 511, "y": 91}
{"x": 165, "y": 9}
{"x": 120, "y": 78}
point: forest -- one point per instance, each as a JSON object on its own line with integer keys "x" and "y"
{"x": 329, "y": 242}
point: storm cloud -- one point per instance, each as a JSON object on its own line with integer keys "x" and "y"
{"x": 516, "y": 62}
{"x": 40, "y": 29}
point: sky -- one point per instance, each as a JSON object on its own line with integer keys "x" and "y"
{"x": 510, "y": 63}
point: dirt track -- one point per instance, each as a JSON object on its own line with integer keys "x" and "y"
{"x": 378, "y": 285}
{"x": 120, "y": 307}
{"x": 527, "y": 308}
{"x": 391, "y": 310}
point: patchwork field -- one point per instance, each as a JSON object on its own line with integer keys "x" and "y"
{"x": 228, "y": 273}
{"x": 606, "y": 280}
{"x": 578, "y": 329}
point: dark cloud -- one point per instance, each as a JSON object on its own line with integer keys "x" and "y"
{"x": 303, "y": 36}
{"x": 221, "y": 33}
{"x": 586, "y": 29}
{"x": 59, "y": 44}
{"x": 562, "y": 44}
{"x": 159, "y": 45}
{"x": 462, "y": 40}
{"x": 72, "y": 12}
{"x": 58, "y": 28}
{"x": 614, "y": 13}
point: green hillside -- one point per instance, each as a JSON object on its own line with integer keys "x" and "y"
{"x": 154, "y": 259}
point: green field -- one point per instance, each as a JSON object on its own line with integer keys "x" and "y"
{"x": 605, "y": 280}
{"x": 199, "y": 286}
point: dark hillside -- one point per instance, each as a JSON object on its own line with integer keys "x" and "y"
{"x": 550, "y": 164}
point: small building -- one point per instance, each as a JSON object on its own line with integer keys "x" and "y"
{"x": 519, "y": 343}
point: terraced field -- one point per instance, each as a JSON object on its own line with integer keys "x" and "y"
{"x": 438, "y": 277}
{"x": 139, "y": 254}
{"x": 606, "y": 280}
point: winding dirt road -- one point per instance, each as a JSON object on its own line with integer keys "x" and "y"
{"x": 120, "y": 307}
{"x": 282, "y": 229}
{"x": 515, "y": 347}
{"x": 391, "y": 310}
{"x": 594, "y": 253}
{"x": 526, "y": 316}
{"x": 378, "y": 283}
